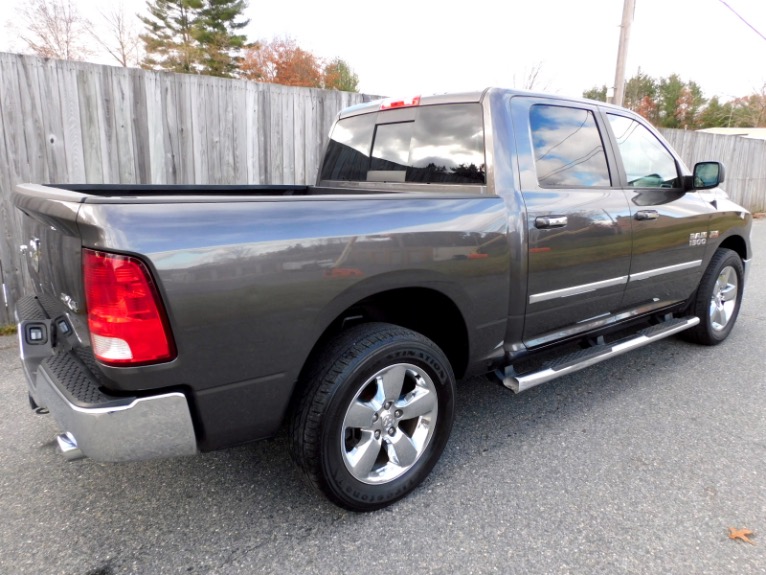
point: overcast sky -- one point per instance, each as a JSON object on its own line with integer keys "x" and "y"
{"x": 423, "y": 46}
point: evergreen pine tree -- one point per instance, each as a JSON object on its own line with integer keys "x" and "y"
{"x": 170, "y": 40}
{"x": 218, "y": 27}
{"x": 194, "y": 36}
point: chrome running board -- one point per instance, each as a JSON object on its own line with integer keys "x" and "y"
{"x": 580, "y": 360}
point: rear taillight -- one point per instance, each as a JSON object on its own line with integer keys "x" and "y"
{"x": 127, "y": 322}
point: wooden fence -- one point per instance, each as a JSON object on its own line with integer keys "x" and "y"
{"x": 745, "y": 161}
{"x": 73, "y": 122}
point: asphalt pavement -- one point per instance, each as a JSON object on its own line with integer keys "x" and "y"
{"x": 637, "y": 465}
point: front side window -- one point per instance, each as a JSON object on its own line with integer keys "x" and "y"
{"x": 443, "y": 144}
{"x": 567, "y": 147}
{"x": 648, "y": 164}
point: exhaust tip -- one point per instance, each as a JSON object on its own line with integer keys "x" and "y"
{"x": 67, "y": 445}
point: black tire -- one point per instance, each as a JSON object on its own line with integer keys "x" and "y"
{"x": 718, "y": 299}
{"x": 334, "y": 450}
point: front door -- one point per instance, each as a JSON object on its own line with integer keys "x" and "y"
{"x": 670, "y": 226}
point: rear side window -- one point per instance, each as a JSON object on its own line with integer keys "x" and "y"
{"x": 443, "y": 144}
{"x": 568, "y": 147}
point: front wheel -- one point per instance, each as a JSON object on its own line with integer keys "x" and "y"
{"x": 718, "y": 298}
{"x": 376, "y": 415}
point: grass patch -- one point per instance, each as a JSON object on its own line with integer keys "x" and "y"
{"x": 9, "y": 329}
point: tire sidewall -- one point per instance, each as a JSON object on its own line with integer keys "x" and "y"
{"x": 350, "y": 491}
{"x": 727, "y": 259}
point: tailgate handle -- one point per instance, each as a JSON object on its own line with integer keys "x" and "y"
{"x": 647, "y": 215}
{"x": 547, "y": 222}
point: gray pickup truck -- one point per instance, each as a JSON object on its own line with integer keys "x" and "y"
{"x": 516, "y": 234}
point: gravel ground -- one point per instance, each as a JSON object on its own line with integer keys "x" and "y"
{"x": 636, "y": 465}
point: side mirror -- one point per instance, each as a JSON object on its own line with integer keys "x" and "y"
{"x": 708, "y": 175}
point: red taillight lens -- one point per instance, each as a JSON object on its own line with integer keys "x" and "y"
{"x": 405, "y": 103}
{"x": 127, "y": 322}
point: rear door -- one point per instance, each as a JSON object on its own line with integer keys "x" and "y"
{"x": 578, "y": 219}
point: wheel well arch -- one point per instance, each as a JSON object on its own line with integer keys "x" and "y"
{"x": 736, "y": 244}
{"x": 424, "y": 310}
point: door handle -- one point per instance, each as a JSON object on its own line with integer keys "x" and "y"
{"x": 647, "y": 215}
{"x": 547, "y": 222}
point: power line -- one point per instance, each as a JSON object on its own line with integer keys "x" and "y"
{"x": 753, "y": 28}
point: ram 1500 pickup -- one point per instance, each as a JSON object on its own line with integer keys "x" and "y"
{"x": 517, "y": 234}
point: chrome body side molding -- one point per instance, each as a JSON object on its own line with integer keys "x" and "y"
{"x": 665, "y": 270}
{"x": 586, "y": 288}
{"x": 577, "y": 290}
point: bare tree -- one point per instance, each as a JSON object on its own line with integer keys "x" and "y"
{"x": 121, "y": 39}
{"x": 55, "y": 29}
{"x": 532, "y": 80}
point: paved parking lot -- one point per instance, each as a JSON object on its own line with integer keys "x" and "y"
{"x": 637, "y": 465}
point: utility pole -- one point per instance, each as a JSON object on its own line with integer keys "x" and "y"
{"x": 628, "y": 10}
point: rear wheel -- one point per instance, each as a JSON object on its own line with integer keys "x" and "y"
{"x": 718, "y": 298}
{"x": 376, "y": 415}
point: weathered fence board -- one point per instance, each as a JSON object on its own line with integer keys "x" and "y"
{"x": 73, "y": 122}
{"x": 745, "y": 161}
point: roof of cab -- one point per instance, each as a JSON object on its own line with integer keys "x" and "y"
{"x": 463, "y": 97}
{"x": 452, "y": 98}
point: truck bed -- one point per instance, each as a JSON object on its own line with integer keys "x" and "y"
{"x": 270, "y": 268}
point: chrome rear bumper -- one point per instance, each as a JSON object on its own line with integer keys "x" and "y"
{"x": 95, "y": 423}
{"x": 141, "y": 428}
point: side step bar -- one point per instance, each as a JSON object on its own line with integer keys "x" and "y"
{"x": 592, "y": 355}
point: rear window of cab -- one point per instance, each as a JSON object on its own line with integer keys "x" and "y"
{"x": 441, "y": 144}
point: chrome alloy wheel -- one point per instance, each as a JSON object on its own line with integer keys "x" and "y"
{"x": 724, "y": 299}
{"x": 389, "y": 423}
